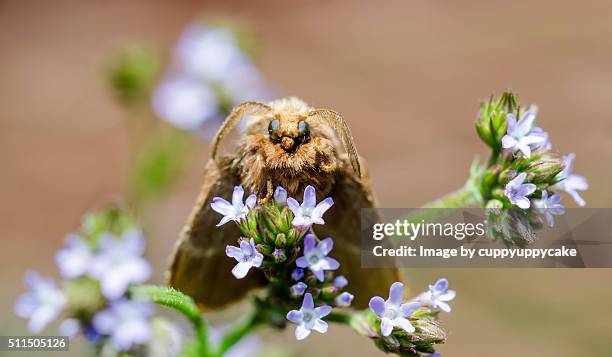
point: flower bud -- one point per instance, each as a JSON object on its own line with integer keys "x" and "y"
{"x": 280, "y": 240}
{"x": 544, "y": 170}
{"x": 279, "y": 255}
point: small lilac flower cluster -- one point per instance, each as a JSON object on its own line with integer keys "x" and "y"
{"x": 279, "y": 240}
{"x": 97, "y": 268}
{"x": 210, "y": 74}
{"x": 522, "y": 172}
{"x": 393, "y": 313}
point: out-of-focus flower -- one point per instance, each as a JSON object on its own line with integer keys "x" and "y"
{"x": 309, "y": 212}
{"x": 549, "y": 207}
{"x": 340, "y": 281}
{"x": 127, "y": 322}
{"x": 166, "y": 338}
{"x": 236, "y": 210}
{"x": 298, "y": 289}
{"x": 185, "y": 102}
{"x": 249, "y": 345}
{"x": 393, "y": 313}
{"x": 209, "y": 53}
{"x": 517, "y": 191}
{"x": 75, "y": 258}
{"x": 438, "y": 296}
{"x": 519, "y": 135}
{"x": 247, "y": 257}
{"x": 280, "y": 196}
{"x": 570, "y": 182}
{"x": 69, "y": 327}
{"x": 42, "y": 304}
{"x": 209, "y": 75}
{"x": 309, "y": 317}
{"x": 315, "y": 256}
{"x": 119, "y": 262}
{"x": 344, "y": 300}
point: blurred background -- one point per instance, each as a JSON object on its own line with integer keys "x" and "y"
{"x": 407, "y": 75}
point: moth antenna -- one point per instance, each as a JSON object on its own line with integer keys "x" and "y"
{"x": 247, "y": 108}
{"x": 336, "y": 122}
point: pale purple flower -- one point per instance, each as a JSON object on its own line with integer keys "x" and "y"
{"x": 75, "y": 258}
{"x": 247, "y": 257}
{"x": 519, "y": 135}
{"x": 393, "y": 313}
{"x": 119, "y": 262}
{"x": 280, "y": 197}
{"x": 517, "y": 191}
{"x": 298, "y": 289}
{"x": 309, "y": 317}
{"x": 236, "y": 210}
{"x": 69, "y": 327}
{"x": 549, "y": 207}
{"x": 570, "y": 182}
{"x": 315, "y": 256}
{"x": 185, "y": 102}
{"x": 340, "y": 281}
{"x": 42, "y": 304}
{"x": 438, "y": 296}
{"x": 209, "y": 53}
{"x": 309, "y": 212}
{"x": 127, "y": 322}
{"x": 297, "y": 274}
{"x": 344, "y": 300}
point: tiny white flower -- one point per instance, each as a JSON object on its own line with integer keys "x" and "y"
{"x": 549, "y": 207}
{"x": 41, "y": 304}
{"x": 438, "y": 296}
{"x": 521, "y": 136}
{"x": 236, "y": 210}
{"x": 570, "y": 182}
{"x": 309, "y": 212}
{"x": 309, "y": 317}
{"x": 247, "y": 257}
{"x": 517, "y": 191}
{"x": 393, "y": 313}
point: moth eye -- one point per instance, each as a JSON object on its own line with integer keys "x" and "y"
{"x": 303, "y": 131}
{"x": 273, "y": 129}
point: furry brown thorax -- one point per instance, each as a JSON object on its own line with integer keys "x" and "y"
{"x": 279, "y": 154}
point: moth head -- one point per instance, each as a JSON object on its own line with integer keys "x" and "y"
{"x": 291, "y": 132}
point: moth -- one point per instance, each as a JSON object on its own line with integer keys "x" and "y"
{"x": 291, "y": 144}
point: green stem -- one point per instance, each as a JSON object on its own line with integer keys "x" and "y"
{"x": 180, "y": 302}
{"x": 456, "y": 199}
{"x": 339, "y": 317}
{"x": 237, "y": 332}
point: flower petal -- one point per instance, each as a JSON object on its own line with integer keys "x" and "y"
{"x": 309, "y": 242}
{"x": 508, "y": 142}
{"x": 310, "y": 198}
{"x": 237, "y": 196}
{"x": 301, "y": 262}
{"x": 295, "y": 316}
{"x": 409, "y": 308}
{"x": 377, "y": 305}
{"x": 241, "y": 269}
{"x": 404, "y": 324}
{"x": 301, "y": 332}
{"x": 326, "y": 245}
{"x": 293, "y": 205}
{"x": 396, "y": 293}
{"x": 320, "y": 326}
{"x": 308, "y": 303}
{"x": 322, "y": 207}
{"x": 386, "y": 326}
{"x": 323, "y": 310}
{"x": 251, "y": 201}
{"x": 221, "y": 206}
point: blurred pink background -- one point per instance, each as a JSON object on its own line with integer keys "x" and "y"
{"x": 408, "y": 77}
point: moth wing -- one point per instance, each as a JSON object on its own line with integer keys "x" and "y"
{"x": 343, "y": 224}
{"x": 199, "y": 266}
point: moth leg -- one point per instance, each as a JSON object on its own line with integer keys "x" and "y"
{"x": 269, "y": 193}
